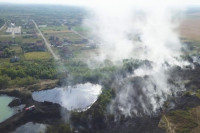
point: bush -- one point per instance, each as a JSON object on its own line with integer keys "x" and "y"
{"x": 4, "y": 81}
{"x": 63, "y": 128}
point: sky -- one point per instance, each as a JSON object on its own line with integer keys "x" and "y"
{"x": 108, "y": 2}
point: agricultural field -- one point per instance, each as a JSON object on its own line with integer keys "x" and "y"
{"x": 20, "y": 39}
{"x": 7, "y": 38}
{"x": 68, "y": 35}
{"x": 50, "y": 29}
{"x": 37, "y": 56}
{"x": 189, "y": 27}
{"x": 82, "y": 30}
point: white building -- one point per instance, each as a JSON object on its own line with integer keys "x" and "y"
{"x": 14, "y": 30}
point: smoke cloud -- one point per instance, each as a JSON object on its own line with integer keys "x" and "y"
{"x": 144, "y": 32}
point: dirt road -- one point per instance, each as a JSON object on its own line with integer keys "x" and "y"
{"x": 2, "y": 26}
{"x": 48, "y": 45}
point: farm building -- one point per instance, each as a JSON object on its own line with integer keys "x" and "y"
{"x": 14, "y": 59}
{"x": 42, "y": 26}
{"x": 14, "y": 30}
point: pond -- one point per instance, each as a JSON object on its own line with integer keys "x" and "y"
{"x": 79, "y": 97}
{"x": 31, "y": 127}
{"x": 5, "y": 110}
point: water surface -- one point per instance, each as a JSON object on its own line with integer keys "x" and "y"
{"x": 31, "y": 127}
{"x": 78, "y": 97}
{"x": 5, "y": 110}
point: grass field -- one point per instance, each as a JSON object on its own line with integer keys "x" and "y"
{"x": 19, "y": 39}
{"x": 17, "y": 49}
{"x": 68, "y": 35}
{"x": 6, "y": 38}
{"x": 54, "y": 28}
{"x": 81, "y": 29}
{"x": 31, "y": 39}
{"x": 182, "y": 121}
{"x": 37, "y": 56}
{"x": 3, "y": 60}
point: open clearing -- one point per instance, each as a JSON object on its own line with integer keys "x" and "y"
{"x": 54, "y": 28}
{"x": 37, "y": 55}
{"x": 68, "y": 35}
{"x": 17, "y": 49}
{"x": 190, "y": 28}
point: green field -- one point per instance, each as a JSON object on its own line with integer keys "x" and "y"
{"x": 67, "y": 35}
{"x": 20, "y": 39}
{"x": 81, "y": 29}
{"x": 17, "y": 49}
{"x": 54, "y": 28}
{"x": 37, "y": 56}
{"x": 6, "y": 38}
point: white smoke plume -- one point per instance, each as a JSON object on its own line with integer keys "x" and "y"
{"x": 144, "y": 32}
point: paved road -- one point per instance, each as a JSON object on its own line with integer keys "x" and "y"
{"x": 48, "y": 45}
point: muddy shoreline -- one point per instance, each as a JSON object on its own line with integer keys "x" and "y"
{"x": 45, "y": 112}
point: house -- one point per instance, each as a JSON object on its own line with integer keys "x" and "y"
{"x": 39, "y": 43}
{"x": 14, "y": 59}
{"x": 42, "y": 26}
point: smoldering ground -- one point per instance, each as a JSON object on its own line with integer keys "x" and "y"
{"x": 139, "y": 33}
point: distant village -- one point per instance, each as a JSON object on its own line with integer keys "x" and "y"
{"x": 22, "y": 33}
{"x": 16, "y": 36}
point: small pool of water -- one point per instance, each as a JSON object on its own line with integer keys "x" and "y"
{"x": 5, "y": 110}
{"x": 79, "y": 97}
{"x": 31, "y": 127}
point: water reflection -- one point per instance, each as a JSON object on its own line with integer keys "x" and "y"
{"x": 31, "y": 127}
{"x": 79, "y": 97}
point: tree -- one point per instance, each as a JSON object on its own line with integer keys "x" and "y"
{"x": 4, "y": 81}
{"x": 7, "y": 52}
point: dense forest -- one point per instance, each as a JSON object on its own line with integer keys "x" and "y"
{"x": 26, "y": 73}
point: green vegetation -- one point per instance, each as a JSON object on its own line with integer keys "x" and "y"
{"x": 63, "y": 128}
{"x": 190, "y": 93}
{"x": 197, "y": 93}
{"x": 17, "y": 49}
{"x": 54, "y": 28}
{"x": 80, "y": 29}
{"x": 7, "y": 52}
{"x": 4, "y": 81}
{"x": 70, "y": 36}
{"x": 26, "y": 73}
{"x": 181, "y": 121}
{"x": 37, "y": 56}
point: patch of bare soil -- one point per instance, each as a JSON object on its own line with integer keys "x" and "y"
{"x": 189, "y": 28}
